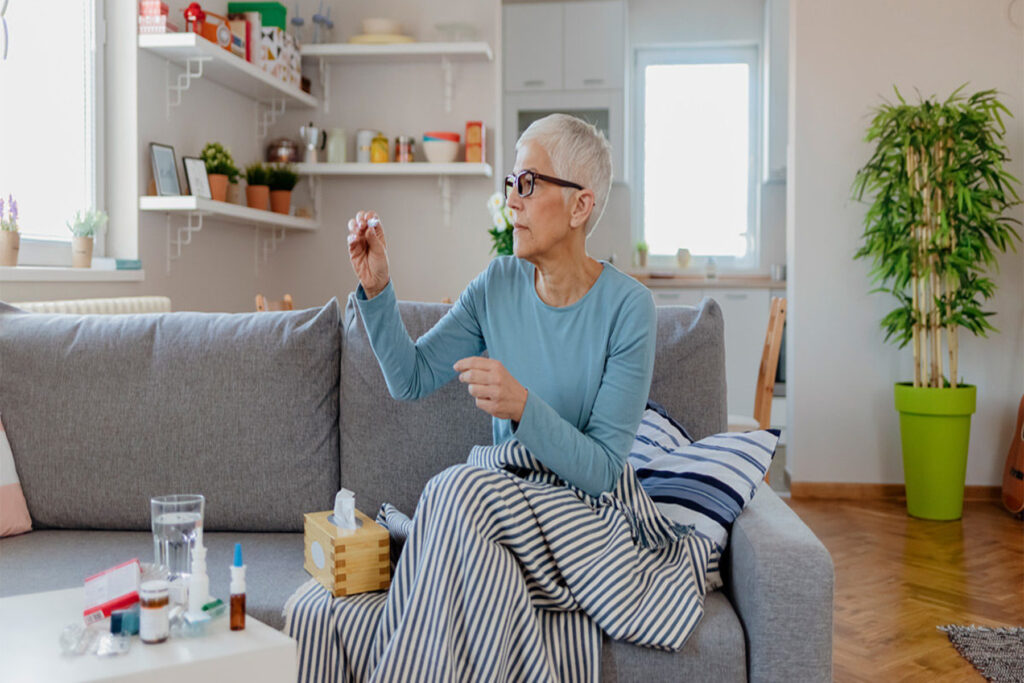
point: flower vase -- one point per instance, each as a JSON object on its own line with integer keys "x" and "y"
{"x": 10, "y": 242}
{"x": 219, "y": 187}
{"x": 81, "y": 252}
{"x": 257, "y": 196}
{"x": 281, "y": 201}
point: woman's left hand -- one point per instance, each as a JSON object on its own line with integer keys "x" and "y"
{"x": 496, "y": 391}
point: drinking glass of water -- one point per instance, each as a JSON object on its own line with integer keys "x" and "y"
{"x": 177, "y": 523}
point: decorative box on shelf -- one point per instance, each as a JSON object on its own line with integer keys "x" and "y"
{"x": 347, "y": 561}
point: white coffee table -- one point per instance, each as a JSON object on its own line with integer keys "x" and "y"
{"x": 30, "y": 628}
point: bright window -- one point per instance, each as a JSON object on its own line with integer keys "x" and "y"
{"x": 696, "y": 163}
{"x": 51, "y": 156}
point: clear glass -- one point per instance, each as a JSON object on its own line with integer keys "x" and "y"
{"x": 696, "y": 165}
{"x": 177, "y": 523}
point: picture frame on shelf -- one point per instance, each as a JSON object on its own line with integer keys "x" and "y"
{"x": 165, "y": 170}
{"x": 196, "y": 180}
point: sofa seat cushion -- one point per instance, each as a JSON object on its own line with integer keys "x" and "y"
{"x": 55, "y": 559}
{"x": 105, "y": 411}
{"x": 715, "y": 652}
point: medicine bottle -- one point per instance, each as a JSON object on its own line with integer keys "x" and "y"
{"x": 154, "y": 622}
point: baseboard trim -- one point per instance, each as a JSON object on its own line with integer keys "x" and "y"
{"x": 823, "y": 490}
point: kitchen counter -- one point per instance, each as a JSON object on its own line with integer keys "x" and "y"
{"x": 667, "y": 279}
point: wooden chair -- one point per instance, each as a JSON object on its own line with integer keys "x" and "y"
{"x": 263, "y": 304}
{"x": 766, "y": 373}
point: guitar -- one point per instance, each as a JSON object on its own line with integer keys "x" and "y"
{"x": 1013, "y": 475}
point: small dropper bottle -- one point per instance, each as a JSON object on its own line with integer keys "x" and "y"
{"x": 238, "y": 591}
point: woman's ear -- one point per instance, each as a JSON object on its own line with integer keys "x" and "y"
{"x": 582, "y": 206}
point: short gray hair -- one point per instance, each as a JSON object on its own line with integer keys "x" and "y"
{"x": 579, "y": 152}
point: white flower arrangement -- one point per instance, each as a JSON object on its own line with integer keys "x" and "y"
{"x": 501, "y": 225}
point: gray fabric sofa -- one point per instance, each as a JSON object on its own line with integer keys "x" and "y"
{"x": 268, "y": 414}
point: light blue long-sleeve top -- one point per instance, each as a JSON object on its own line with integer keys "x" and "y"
{"x": 586, "y": 366}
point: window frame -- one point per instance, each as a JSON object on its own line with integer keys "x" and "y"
{"x": 723, "y": 52}
{"x": 55, "y": 251}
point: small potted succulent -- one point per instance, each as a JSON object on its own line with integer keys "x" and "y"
{"x": 220, "y": 169}
{"x": 281, "y": 179}
{"x": 257, "y": 192}
{"x": 83, "y": 226}
{"x": 641, "y": 254}
{"x": 10, "y": 239}
{"x": 501, "y": 225}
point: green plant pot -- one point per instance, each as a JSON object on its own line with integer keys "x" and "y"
{"x": 935, "y": 428}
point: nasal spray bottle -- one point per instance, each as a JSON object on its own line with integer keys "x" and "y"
{"x": 238, "y": 591}
{"x": 196, "y": 620}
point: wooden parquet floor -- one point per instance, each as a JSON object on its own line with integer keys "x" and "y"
{"x": 897, "y": 578}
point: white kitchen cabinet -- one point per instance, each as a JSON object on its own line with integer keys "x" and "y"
{"x": 745, "y": 312}
{"x": 564, "y": 45}
{"x": 533, "y": 38}
{"x": 594, "y": 51}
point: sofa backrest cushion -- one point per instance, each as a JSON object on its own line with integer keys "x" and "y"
{"x": 689, "y": 367}
{"x": 390, "y": 449}
{"x": 104, "y": 412}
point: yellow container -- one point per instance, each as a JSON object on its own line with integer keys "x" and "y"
{"x": 379, "y": 150}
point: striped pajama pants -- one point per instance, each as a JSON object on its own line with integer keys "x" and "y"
{"x": 506, "y": 576}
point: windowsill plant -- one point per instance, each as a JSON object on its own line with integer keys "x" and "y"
{"x": 10, "y": 237}
{"x": 83, "y": 226}
{"x": 932, "y": 233}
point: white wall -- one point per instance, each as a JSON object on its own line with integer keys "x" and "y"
{"x": 845, "y": 57}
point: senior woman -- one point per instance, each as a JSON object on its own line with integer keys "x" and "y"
{"x": 506, "y": 573}
{"x": 570, "y": 339}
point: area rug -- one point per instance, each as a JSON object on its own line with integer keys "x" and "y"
{"x": 997, "y": 653}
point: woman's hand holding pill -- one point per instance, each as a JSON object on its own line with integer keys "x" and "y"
{"x": 496, "y": 391}
{"x": 367, "y": 250}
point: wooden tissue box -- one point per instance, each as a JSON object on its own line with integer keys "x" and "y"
{"x": 347, "y": 561}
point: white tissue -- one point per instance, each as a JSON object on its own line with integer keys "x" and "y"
{"x": 345, "y": 509}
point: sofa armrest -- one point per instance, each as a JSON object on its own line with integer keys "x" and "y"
{"x": 780, "y": 579}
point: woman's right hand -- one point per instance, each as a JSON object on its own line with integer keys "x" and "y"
{"x": 368, "y": 252}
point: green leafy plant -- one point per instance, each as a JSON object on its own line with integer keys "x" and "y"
{"x": 936, "y": 221}
{"x": 282, "y": 177}
{"x": 641, "y": 247}
{"x": 257, "y": 174}
{"x": 86, "y": 223}
{"x": 501, "y": 225}
{"x": 218, "y": 159}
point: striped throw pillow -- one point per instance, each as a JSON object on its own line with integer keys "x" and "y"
{"x": 706, "y": 483}
{"x": 657, "y": 435}
{"x": 14, "y": 517}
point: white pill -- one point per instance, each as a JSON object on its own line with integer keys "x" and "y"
{"x": 373, "y": 222}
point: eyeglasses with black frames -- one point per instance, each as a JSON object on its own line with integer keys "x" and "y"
{"x": 524, "y": 182}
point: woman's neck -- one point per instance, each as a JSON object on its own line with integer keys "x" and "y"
{"x": 562, "y": 282}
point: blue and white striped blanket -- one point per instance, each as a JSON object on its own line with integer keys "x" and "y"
{"x": 507, "y": 573}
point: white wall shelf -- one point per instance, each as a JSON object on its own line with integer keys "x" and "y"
{"x": 194, "y": 209}
{"x": 327, "y": 54}
{"x": 442, "y": 172}
{"x": 202, "y": 59}
{"x": 396, "y": 169}
{"x": 349, "y": 52}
